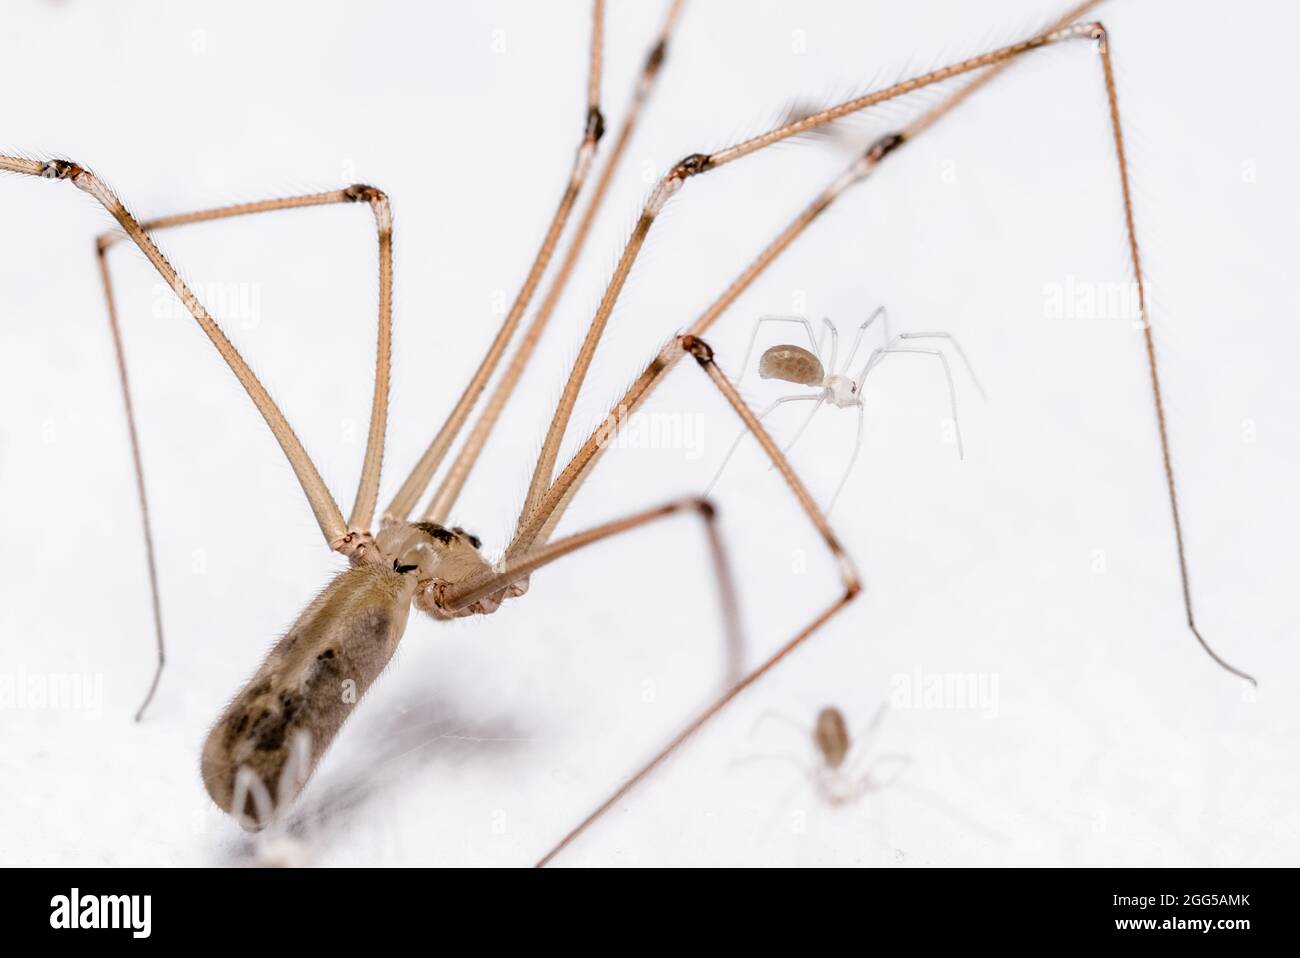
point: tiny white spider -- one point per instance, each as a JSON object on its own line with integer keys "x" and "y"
{"x": 838, "y": 780}
{"x": 794, "y": 364}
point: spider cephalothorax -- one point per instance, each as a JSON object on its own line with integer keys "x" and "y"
{"x": 438, "y": 557}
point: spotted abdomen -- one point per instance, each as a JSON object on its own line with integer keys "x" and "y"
{"x": 306, "y": 688}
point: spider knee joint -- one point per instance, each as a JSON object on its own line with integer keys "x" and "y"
{"x": 362, "y": 193}
{"x": 359, "y": 547}
{"x": 690, "y": 166}
{"x": 595, "y": 125}
{"x": 61, "y": 170}
{"x": 698, "y": 348}
{"x": 884, "y": 146}
{"x": 705, "y": 507}
{"x": 655, "y": 58}
{"x": 378, "y": 200}
{"x": 672, "y": 182}
{"x": 1095, "y": 30}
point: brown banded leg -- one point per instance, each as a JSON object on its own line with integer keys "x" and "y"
{"x": 450, "y": 488}
{"x": 368, "y": 488}
{"x": 418, "y": 480}
{"x": 494, "y": 583}
{"x": 703, "y": 356}
{"x": 1112, "y": 100}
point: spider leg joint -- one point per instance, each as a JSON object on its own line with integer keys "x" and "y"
{"x": 378, "y": 200}
{"x": 698, "y": 348}
{"x": 1091, "y": 31}
{"x": 595, "y": 124}
{"x": 61, "y": 170}
{"x": 670, "y": 184}
{"x": 362, "y": 193}
{"x": 655, "y": 58}
{"x": 884, "y": 146}
{"x": 359, "y": 547}
{"x": 691, "y": 165}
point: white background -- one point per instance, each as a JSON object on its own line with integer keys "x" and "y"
{"x": 1112, "y": 739}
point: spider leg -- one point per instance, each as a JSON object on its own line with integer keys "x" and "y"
{"x": 857, "y": 340}
{"x": 881, "y": 352}
{"x": 448, "y": 491}
{"x": 249, "y": 785}
{"x": 794, "y": 760}
{"x": 803, "y": 427}
{"x": 422, "y": 473}
{"x": 703, "y": 356}
{"x": 869, "y": 781}
{"x": 771, "y": 715}
{"x": 866, "y": 735}
{"x": 835, "y": 343}
{"x": 368, "y": 489}
{"x": 848, "y": 469}
{"x": 326, "y": 510}
{"x": 970, "y": 370}
{"x": 744, "y": 432}
{"x": 869, "y": 730}
{"x": 493, "y": 581}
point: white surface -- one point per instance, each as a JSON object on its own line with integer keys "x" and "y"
{"x": 1115, "y": 740}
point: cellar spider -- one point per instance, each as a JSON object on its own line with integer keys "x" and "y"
{"x": 838, "y": 779}
{"x": 335, "y": 649}
{"x": 832, "y": 383}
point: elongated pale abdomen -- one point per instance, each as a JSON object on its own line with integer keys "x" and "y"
{"x": 307, "y": 687}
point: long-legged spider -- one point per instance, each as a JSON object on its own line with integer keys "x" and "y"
{"x": 345, "y": 637}
{"x": 833, "y": 384}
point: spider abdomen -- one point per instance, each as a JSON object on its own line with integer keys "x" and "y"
{"x": 792, "y": 364}
{"x": 832, "y": 736}
{"x": 305, "y": 689}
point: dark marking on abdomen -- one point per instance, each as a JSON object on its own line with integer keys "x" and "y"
{"x": 308, "y": 685}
